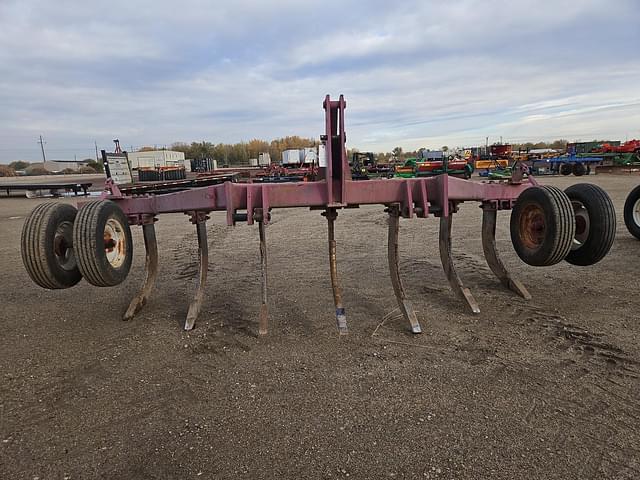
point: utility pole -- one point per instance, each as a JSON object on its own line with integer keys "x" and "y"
{"x": 96, "y": 144}
{"x": 41, "y": 142}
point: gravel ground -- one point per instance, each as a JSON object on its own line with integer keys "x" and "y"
{"x": 547, "y": 388}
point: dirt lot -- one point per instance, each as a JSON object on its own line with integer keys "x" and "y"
{"x": 547, "y": 388}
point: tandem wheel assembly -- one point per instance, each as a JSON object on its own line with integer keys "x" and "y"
{"x": 47, "y": 246}
{"x": 549, "y": 225}
{"x": 60, "y": 244}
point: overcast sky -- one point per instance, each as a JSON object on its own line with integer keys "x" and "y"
{"x": 414, "y": 73}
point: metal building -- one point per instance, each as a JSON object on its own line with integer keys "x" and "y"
{"x": 158, "y": 158}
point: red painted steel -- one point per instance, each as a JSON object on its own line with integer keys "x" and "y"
{"x": 335, "y": 189}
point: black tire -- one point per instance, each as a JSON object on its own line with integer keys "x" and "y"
{"x": 542, "y": 226}
{"x": 566, "y": 169}
{"x": 579, "y": 169}
{"x": 632, "y": 212}
{"x": 103, "y": 244}
{"x": 47, "y": 246}
{"x": 595, "y": 219}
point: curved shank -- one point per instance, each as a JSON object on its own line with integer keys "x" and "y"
{"x": 203, "y": 255}
{"x": 264, "y": 315}
{"x": 491, "y": 253}
{"x": 398, "y": 289}
{"x": 447, "y": 263}
{"x": 341, "y": 317}
{"x": 151, "y": 271}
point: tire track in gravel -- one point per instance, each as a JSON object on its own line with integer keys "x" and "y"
{"x": 581, "y": 343}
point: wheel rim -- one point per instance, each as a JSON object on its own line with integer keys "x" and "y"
{"x": 636, "y": 212}
{"x": 114, "y": 243}
{"x": 63, "y": 246}
{"x": 583, "y": 224}
{"x": 532, "y": 227}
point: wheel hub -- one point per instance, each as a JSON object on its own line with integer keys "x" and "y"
{"x": 63, "y": 246}
{"x": 532, "y": 227}
{"x": 583, "y": 224}
{"x": 114, "y": 243}
{"x": 636, "y": 212}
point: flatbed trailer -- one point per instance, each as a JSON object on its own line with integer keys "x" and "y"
{"x": 564, "y": 165}
{"x": 53, "y": 188}
{"x": 171, "y": 186}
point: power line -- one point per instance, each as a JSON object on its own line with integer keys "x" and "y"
{"x": 44, "y": 158}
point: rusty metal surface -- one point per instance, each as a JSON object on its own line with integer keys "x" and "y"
{"x": 341, "y": 316}
{"x": 398, "y": 289}
{"x": 151, "y": 271}
{"x": 203, "y": 257}
{"x": 491, "y": 253}
{"x": 447, "y": 263}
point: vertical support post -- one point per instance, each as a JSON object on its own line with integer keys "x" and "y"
{"x": 341, "y": 317}
{"x": 329, "y": 124}
{"x": 150, "y": 268}
{"x": 403, "y": 303}
{"x": 337, "y": 170}
{"x": 264, "y": 313}
{"x": 447, "y": 263}
{"x": 489, "y": 214}
{"x": 200, "y": 220}
{"x": 345, "y": 171}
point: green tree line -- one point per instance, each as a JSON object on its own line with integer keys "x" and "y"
{"x": 240, "y": 153}
{"x": 560, "y": 145}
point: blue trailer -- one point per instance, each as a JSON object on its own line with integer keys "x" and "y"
{"x": 565, "y": 165}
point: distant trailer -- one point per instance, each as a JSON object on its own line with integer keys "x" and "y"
{"x": 54, "y": 189}
{"x": 563, "y": 165}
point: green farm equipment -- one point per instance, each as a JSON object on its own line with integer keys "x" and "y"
{"x": 417, "y": 167}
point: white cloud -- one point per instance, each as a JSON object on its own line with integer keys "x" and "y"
{"x": 414, "y": 73}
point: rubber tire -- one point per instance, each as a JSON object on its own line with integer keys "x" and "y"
{"x": 579, "y": 169}
{"x": 559, "y": 221}
{"x": 37, "y": 246}
{"x": 88, "y": 240}
{"x": 566, "y": 169}
{"x": 602, "y": 220}
{"x": 632, "y": 226}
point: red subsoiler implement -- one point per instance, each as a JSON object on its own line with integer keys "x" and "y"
{"x": 60, "y": 244}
